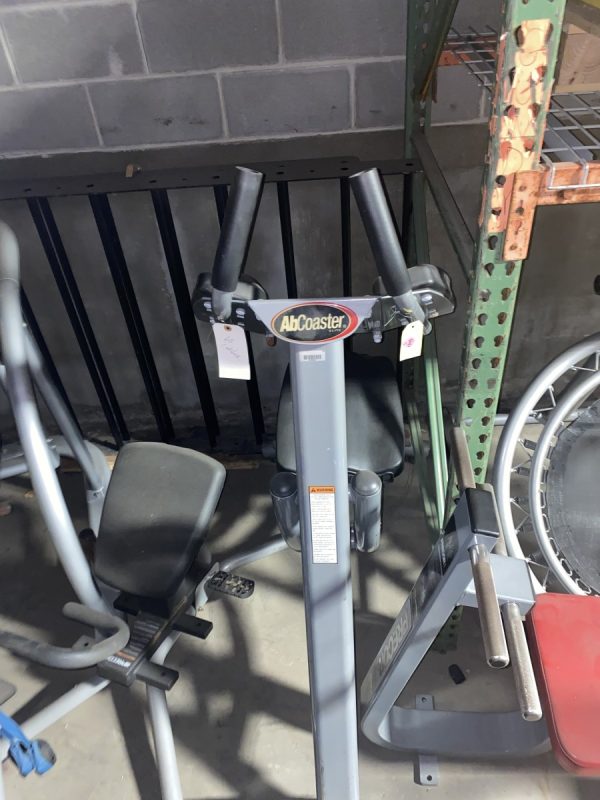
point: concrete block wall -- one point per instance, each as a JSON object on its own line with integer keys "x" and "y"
{"x": 115, "y": 74}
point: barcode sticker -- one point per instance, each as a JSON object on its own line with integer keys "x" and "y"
{"x": 322, "y": 524}
{"x": 312, "y": 355}
{"x": 411, "y": 342}
{"x": 232, "y": 351}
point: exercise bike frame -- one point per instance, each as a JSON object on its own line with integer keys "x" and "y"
{"x": 22, "y": 370}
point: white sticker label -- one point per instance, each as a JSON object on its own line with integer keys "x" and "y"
{"x": 411, "y": 342}
{"x": 232, "y": 351}
{"x": 322, "y": 524}
{"x": 312, "y": 355}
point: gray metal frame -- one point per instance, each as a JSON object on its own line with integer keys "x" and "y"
{"x": 19, "y": 386}
{"x": 22, "y": 369}
{"x": 318, "y": 396}
{"x": 447, "y": 580}
{"x": 320, "y": 439}
{"x": 319, "y": 407}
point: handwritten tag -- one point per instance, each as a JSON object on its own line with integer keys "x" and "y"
{"x": 232, "y": 351}
{"x": 411, "y": 342}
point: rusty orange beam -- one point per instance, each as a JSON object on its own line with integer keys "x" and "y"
{"x": 530, "y": 190}
{"x": 568, "y": 174}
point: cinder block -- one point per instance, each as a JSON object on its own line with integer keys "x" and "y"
{"x": 184, "y": 35}
{"x": 287, "y": 101}
{"x": 157, "y": 110}
{"x": 45, "y": 119}
{"x": 6, "y": 78}
{"x": 459, "y": 96}
{"x": 30, "y": 2}
{"x": 342, "y": 28}
{"x": 379, "y": 91}
{"x": 73, "y": 42}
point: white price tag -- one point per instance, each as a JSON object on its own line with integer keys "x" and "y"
{"x": 411, "y": 342}
{"x": 232, "y": 351}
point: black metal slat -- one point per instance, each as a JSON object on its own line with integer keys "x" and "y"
{"x": 221, "y": 194}
{"x": 168, "y": 235}
{"x": 346, "y": 237}
{"x": 49, "y": 364}
{"x": 258, "y": 422}
{"x": 115, "y": 179}
{"x": 67, "y": 286}
{"x": 131, "y": 312}
{"x": 407, "y": 232}
{"x": 287, "y": 239}
{"x": 346, "y": 249}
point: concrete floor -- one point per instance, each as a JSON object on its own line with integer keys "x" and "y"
{"x": 240, "y": 709}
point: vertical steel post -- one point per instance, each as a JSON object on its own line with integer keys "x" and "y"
{"x": 319, "y": 403}
{"x": 56, "y": 254}
{"x": 117, "y": 265}
{"x": 526, "y": 60}
{"x": 168, "y": 235}
{"x": 287, "y": 238}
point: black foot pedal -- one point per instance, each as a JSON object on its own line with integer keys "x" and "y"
{"x": 233, "y": 585}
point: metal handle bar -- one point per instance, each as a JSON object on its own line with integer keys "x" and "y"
{"x": 234, "y": 241}
{"x": 520, "y": 659}
{"x": 115, "y": 629}
{"x": 377, "y": 218}
{"x": 494, "y": 640}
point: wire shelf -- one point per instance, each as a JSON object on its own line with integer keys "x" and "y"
{"x": 573, "y": 122}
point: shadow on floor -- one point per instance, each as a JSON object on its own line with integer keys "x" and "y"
{"x": 27, "y": 561}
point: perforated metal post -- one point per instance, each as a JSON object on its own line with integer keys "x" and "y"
{"x": 526, "y": 60}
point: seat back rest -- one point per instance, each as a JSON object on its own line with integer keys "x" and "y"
{"x": 564, "y": 637}
{"x": 374, "y": 418}
{"x": 159, "y": 504}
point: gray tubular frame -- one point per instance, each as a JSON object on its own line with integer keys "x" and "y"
{"x": 22, "y": 368}
{"x": 319, "y": 408}
{"x": 116, "y": 636}
{"x": 320, "y": 439}
{"x": 512, "y": 432}
{"x": 20, "y": 390}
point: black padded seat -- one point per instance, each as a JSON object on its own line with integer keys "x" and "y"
{"x": 159, "y": 504}
{"x": 374, "y": 419}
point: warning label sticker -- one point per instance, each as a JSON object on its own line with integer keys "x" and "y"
{"x": 322, "y": 524}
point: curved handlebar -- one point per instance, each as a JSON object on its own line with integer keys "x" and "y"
{"x": 381, "y": 231}
{"x": 18, "y": 380}
{"x": 115, "y": 629}
{"x": 234, "y": 240}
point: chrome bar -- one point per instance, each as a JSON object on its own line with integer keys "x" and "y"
{"x": 465, "y": 477}
{"x": 494, "y": 640}
{"x": 520, "y": 659}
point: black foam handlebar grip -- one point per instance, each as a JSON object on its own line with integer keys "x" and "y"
{"x": 378, "y": 221}
{"x": 236, "y": 232}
